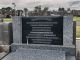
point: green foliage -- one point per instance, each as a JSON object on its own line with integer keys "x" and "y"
{"x": 78, "y": 31}
{"x": 7, "y": 20}
{"x": 75, "y": 18}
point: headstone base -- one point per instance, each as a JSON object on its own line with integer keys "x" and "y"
{"x": 36, "y": 54}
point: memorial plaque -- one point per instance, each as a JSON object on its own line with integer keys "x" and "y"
{"x": 42, "y": 30}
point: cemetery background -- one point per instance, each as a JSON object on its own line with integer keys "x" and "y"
{"x": 37, "y": 11}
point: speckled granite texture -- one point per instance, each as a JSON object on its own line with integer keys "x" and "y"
{"x": 35, "y": 54}
{"x": 42, "y": 52}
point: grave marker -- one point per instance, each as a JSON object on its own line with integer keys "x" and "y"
{"x": 38, "y": 34}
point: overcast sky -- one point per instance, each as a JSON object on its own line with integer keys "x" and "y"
{"x": 52, "y": 4}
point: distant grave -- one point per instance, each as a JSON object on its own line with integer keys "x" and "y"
{"x": 6, "y": 33}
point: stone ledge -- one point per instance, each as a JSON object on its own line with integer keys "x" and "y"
{"x": 69, "y": 50}
{"x": 35, "y": 54}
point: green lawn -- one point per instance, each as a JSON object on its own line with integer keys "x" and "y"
{"x": 78, "y": 31}
{"x": 7, "y": 20}
{"x": 76, "y": 18}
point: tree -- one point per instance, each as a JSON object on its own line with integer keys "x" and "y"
{"x": 3, "y": 11}
{"x": 45, "y": 9}
{"x": 61, "y": 9}
{"x": 8, "y": 10}
{"x": 38, "y": 8}
{"x": 26, "y": 11}
{"x": 19, "y": 12}
{"x": 13, "y": 12}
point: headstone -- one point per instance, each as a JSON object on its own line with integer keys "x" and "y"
{"x": 66, "y": 36}
{"x": 1, "y": 33}
{"x": 1, "y": 18}
{"x": 74, "y": 32}
{"x": 6, "y": 34}
{"x": 36, "y": 38}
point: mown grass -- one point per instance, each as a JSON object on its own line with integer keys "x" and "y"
{"x": 76, "y": 18}
{"x": 7, "y": 20}
{"x": 78, "y": 31}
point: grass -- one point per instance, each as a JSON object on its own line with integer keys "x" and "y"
{"x": 76, "y": 18}
{"x": 7, "y": 20}
{"x": 78, "y": 31}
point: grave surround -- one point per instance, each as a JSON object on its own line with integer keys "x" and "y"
{"x": 24, "y": 51}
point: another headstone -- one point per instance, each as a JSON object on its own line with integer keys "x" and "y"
{"x": 6, "y": 34}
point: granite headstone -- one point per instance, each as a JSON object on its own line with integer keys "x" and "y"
{"x": 36, "y": 38}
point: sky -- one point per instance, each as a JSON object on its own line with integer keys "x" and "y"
{"x": 52, "y": 4}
